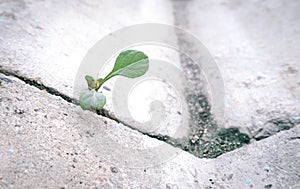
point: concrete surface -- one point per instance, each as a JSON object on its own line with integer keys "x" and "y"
{"x": 255, "y": 44}
{"x": 44, "y": 144}
{"x": 49, "y": 45}
{"x": 47, "y": 142}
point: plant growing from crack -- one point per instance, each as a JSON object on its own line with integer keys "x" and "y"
{"x": 129, "y": 63}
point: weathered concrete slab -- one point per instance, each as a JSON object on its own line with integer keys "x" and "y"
{"x": 255, "y": 46}
{"x": 45, "y": 143}
{"x": 48, "y": 40}
{"x": 44, "y": 137}
{"x": 48, "y": 46}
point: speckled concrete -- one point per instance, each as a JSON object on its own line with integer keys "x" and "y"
{"x": 47, "y": 142}
{"x": 50, "y": 45}
{"x": 255, "y": 44}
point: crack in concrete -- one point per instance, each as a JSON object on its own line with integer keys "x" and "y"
{"x": 38, "y": 85}
{"x": 274, "y": 126}
{"x": 55, "y": 92}
{"x": 183, "y": 144}
{"x": 207, "y": 139}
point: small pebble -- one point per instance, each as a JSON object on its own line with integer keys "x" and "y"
{"x": 230, "y": 177}
{"x": 248, "y": 181}
{"x": 11, "y": 150}
{"x": 268, "y": 186}
{"x": 296, "y": 118}
{"x": 266, "y": 168}
{"x": 114, "y": 169}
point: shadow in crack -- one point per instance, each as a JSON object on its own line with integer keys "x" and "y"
{"x": 206, "y": 139}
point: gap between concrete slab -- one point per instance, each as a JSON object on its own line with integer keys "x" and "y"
{"x": 55, "y": 92}
{"x": 199, "y": 121}
{"x": 223, "y": 135}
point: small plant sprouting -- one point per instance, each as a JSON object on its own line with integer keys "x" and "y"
{"x": 130, "y": 63}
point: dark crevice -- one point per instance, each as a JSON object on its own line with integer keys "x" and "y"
{"x": 55, "y": 92}
{"x": 294, "y": 138}
{"x": 201, "y": 144}
{"x": 206, "y": 138}
{"x": 274, "y": 126}
{"x": 38, "y": 85}
{"x": 186, "y": 144}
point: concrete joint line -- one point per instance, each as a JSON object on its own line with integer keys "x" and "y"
{"x": 103, "y": 112}
{"x": 55, "y": 92}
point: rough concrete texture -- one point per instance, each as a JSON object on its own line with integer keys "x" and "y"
{"x": 47, "y": 142}
{"x": 49, "y": 45}
{"x": 44, "y": 144}
{"x": 255, "y": 46}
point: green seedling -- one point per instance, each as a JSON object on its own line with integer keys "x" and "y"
{"x": 130, "y": 63}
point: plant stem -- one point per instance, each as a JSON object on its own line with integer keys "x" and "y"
{"x": 99, "y": 83}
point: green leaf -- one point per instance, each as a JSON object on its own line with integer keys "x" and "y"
{"x": 90, "y": 81}
{"x": 130, "y": 63}
{"x": 92, "y": 99}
